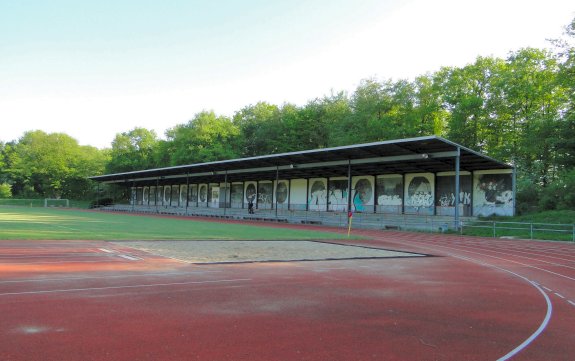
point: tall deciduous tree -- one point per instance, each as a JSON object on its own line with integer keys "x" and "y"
{"x": 133, "y": 150}
{"x": 51, "y": 165}
{"x": 534, "y": 102}
{"x": 205, "y": 138}
{"x": 259, "y": 125}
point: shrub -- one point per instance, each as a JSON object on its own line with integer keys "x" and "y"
{"x": 5, "y": 190}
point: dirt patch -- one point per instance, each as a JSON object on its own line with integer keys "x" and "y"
{"x": 259, "y": 251}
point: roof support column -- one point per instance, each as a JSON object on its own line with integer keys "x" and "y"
{"x": 156, "y": 191}
{"x": 375, "y": 195}
{"x": 257, "y": 194}
{"x": 275, "y": 196}
{"x": 133, "y": 195}
{"x": 349, "y": 186}
{"x": 225, "y": 192}
{"x": 187, "y": 191}
{"x": 327, "y": 196}
{"x": 289, "y": 194}
{"x": 457, "y": 160}
{"x": 98, "y": 195}
{"x": 307, "y": 195}
{"x": 403, "y": 193}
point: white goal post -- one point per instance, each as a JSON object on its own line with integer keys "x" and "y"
{"x": 56, "y": 202}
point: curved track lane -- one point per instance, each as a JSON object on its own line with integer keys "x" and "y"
{"x": 474, "y": 299}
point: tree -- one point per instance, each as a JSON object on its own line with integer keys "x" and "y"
{"x": 467, "y": 95}
{"x": 51, "y": 165}
{"x": 133, "y": 150}
{"x": 258, "y": 126}
{"x": 430, "y": 116}
{"x": 534, "y": 103}
{"x": 205, "y": 138}
{"x": 565, "y": 53}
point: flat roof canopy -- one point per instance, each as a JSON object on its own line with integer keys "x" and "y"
{"x": 414, "y": 155}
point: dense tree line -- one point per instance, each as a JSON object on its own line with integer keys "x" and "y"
{"x": 48, "y": 166}
{"x": 520, "y": 109}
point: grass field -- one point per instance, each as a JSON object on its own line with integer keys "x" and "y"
{"x": 54, "y": 224}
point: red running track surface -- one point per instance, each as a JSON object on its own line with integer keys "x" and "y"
{"x": 474, "y": 299}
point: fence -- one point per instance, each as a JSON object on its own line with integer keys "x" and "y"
{"x": 550, "y": 231}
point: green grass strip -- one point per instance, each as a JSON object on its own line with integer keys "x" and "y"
{"x": 17, "y": 223}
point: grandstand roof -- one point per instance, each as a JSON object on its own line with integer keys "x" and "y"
{"x": 429, "y": 154}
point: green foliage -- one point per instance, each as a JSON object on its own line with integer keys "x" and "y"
{"x": 259, "y": 126}
{"x": 5, "y": 190}
{"x": 205, "y": 138}
{"x": 50, "y": 165}
{"x": 132, "y": 150}
{"x": 553, "y": 216}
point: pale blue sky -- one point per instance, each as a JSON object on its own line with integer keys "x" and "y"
{"x": 92, "y": 69}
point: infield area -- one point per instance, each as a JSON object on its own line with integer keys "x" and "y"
{"x": 76, "y": 286}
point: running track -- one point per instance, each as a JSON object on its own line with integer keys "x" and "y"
{"x": 474, "y": 299}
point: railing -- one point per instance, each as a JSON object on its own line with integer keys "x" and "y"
{"x": 555, "y": 231}
{"x": 425, "y": 223}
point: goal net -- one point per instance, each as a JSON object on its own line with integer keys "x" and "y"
{"x": 52, "y": 202}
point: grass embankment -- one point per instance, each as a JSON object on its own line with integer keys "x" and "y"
{"x": 62, "y": 224}
{"x": 549, "y": 225}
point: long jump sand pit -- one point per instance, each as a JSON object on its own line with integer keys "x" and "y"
{"x": 204, "y": 252}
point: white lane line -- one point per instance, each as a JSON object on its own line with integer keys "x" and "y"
{"x": 547, "y": 289}
{"x": 559, "y": 295}
{"x": 40, "y": 280}
{"x": 535, "y": 252}
{"x": 572, "y": 303}
{"x": 122, "y": 287}
{"x": 129, "y": 257}
{"x": 423, "y": 244}
{"x": 548, "y": 314}
{"x": 543, "y": 324}
{"x": 105, "y": 250}
{"x": 487, "y": 249}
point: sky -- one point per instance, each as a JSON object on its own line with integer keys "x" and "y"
{"x": 93, "y": 69}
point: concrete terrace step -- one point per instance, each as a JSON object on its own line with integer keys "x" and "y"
{"x": 335, "y": 219}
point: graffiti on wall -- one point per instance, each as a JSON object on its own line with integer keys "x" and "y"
{"x": 282, "y": 192}
{"x": 236, "y": 193}
{"x": 215, "y": 197}
{"x": 175, "y": 196}
{"x": 251, "y": 192}
{"x": 446, "y": 191}
{"x": 203, "y": 193}
{"x": 337, "y": 196}
{"x": 167, "y": 195}
{"x": 493, "y": 195}
{"x": 362, "y": 194}
{"x": 265, "y": 195}
{"x": 317, "y": 195}
{"x": 420, "y": 192}
{"x": 390, "y": 191}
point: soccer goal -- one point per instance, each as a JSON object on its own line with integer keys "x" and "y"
{"x": 53, "y": 202}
